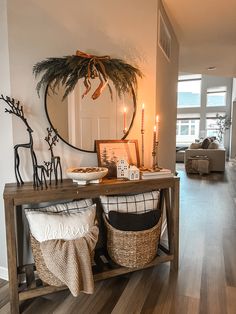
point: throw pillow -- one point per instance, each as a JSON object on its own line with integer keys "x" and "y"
{"x": 212, "y": 138}
{"x": 134, "y": 222}
{"x": 214, "y": 145}
{"x": 206, "y": 143}
{"x": 195, "y": 145}
{"x": 138, "y": 203}
{"x": 67, "y": 226}
{"x": 65, "y": 207}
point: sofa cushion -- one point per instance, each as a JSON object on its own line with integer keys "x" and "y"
{"x": 195, "y": 145}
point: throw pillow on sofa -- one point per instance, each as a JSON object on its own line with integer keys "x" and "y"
{"x": 214, "y": 145}
{"x": 206, "y": 142}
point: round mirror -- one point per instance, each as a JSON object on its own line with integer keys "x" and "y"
{"x": 80, "y": 121}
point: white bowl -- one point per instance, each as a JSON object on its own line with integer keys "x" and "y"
{"x": 86, "y": 173}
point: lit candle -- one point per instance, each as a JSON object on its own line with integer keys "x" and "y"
{"x": 154, "y": 137}
{"x": 157, "y": 127}
{"x": 124, "y": 116}
{"x": 142, "y": 120}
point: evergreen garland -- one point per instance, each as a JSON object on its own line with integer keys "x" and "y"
{"x": 69, "y": 69}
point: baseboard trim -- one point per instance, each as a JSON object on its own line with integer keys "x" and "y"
{"x": 4, "y": 273}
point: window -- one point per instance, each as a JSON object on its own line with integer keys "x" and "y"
{"x": 189, "y": 91}
{"x": 164, "y": 38}
{"x": 200, "y": 98}
{"x": 187, "y": 130}
{"x": 211, "y": 124}
{"x": 216, "y": 96}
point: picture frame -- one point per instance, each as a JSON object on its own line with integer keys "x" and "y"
{"x": 109, "y": 152}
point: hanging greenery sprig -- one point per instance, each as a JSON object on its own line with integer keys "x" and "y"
{"x": 69, "y": 69}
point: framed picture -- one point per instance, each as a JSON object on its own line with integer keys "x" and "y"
{"x": 109, "y": 152}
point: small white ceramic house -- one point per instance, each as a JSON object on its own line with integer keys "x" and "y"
{"x": 134, "y": 173}
{"x": 122, "y": 167}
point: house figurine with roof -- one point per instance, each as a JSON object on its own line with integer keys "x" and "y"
{"x": 134, "y": 173}
{"x": 122, "y": 167}
{"x": 124, "y": 170}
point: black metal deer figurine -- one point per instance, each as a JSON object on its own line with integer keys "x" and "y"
{"x": 55, "y": 164}
{"x": 17, "y": 110}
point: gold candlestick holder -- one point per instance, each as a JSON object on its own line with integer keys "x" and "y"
{"x": 155, "y": 166}
{"x": 142, "y": 168}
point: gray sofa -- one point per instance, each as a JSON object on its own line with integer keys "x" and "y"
{"x": 216, "y": 157}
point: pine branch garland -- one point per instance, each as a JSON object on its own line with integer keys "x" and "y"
{"x": 69, "y": 70}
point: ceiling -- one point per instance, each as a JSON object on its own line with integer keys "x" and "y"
{"x": 206, "y": 32}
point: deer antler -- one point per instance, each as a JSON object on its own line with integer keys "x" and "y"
{"x": 15, "y": 109}
{"x": 51, "y": 140}
{"x": 14, "y": 105}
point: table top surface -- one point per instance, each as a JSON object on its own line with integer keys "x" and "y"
{"x": 20, "y": 194}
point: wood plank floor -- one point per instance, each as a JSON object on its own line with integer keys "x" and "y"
{"x": 206, "y": 281}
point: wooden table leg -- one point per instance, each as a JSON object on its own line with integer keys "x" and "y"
{"x": 175, "y": 225}
{"x": 168, "y": 217}
{"x": 12, "y": 255}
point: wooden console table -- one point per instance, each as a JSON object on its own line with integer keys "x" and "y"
{"x": 16, "y": 196}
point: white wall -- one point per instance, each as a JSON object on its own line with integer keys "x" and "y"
{"x": 126, "y": 29}
{"x": 167, "y": 76}
{"x": 37, "y": 30}
{"x": 233, "y": 127}
{"x": 6, "y": 164}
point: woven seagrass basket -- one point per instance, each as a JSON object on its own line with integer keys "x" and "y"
{"x": 43, "y": 272}
{"x": 132, "y": 248}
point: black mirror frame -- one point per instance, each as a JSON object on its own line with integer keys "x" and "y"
{"x": 80, "y": 149}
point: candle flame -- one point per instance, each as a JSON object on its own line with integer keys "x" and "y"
{"x": 155, "y": 128}
{"x": 157, "y": 118}
{"x": 142, "y": 106}
{"x": 125, "y": 109}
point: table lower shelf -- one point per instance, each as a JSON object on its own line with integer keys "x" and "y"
{"x": 104, "y": 268}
